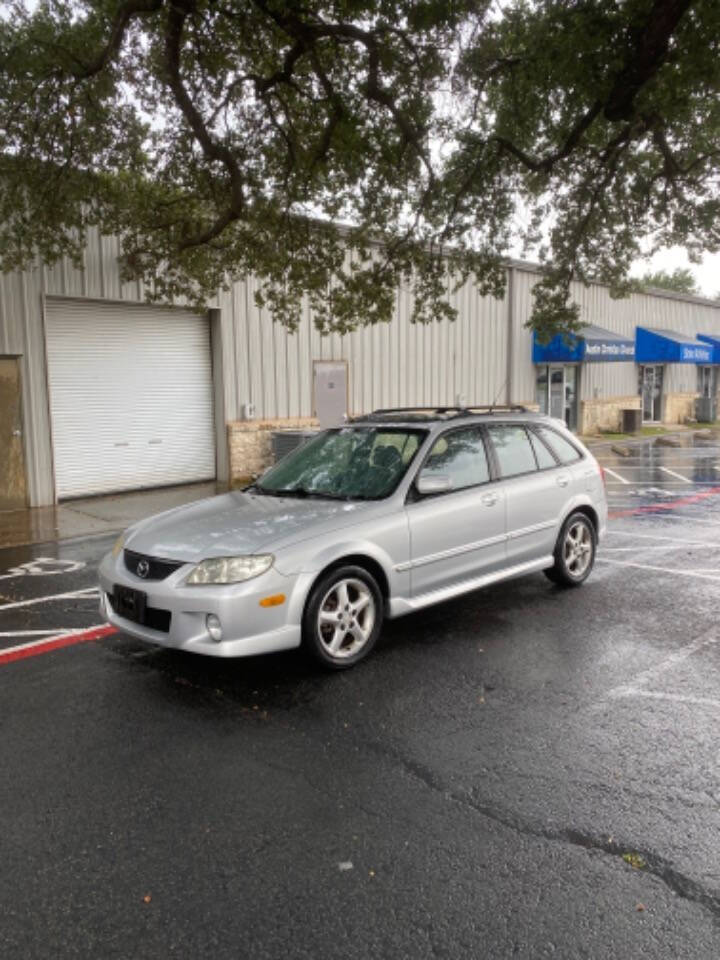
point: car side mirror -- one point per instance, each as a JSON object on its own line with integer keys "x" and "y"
{"x": 429, "y": 483}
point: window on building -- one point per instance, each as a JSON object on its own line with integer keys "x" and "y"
{"x": 512, "y": 446}
{"x": 707, "y": 381}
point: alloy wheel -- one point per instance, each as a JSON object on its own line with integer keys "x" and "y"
{"x": 346, "y": 618}
{"x": 577, "y": 549}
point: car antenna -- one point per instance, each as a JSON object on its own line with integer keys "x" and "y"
{"x": 497, "y": 396}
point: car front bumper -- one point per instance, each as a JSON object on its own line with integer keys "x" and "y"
{"x": 247, "y": 627}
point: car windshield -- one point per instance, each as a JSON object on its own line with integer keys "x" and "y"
{"x": 353, "y": 463}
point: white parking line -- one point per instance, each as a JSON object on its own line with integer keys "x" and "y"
{"x": 673, "y": 697}
{"x": 86, "y": 594}
{"x": 675, "y": 573}
{"x": 703, "y": 521}
{"x": 653, "y": 536}
{"x": 650, "y": 546}
{"x": 616, "y": 475}
{"x": 659, "y": 669}
{"x": 673, "y": 474}
{"x": 39, "y": 633}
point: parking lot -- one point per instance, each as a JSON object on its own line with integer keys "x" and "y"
{"x": 523, "y": 772}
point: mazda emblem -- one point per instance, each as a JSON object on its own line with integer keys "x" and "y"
{"x": 142, "y": 569}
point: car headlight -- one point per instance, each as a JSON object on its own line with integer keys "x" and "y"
{"x": 118, "y": 545}
{"x": 229, "y": 569}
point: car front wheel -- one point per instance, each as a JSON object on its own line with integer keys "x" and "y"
{"x": 574, "y": 552}
{"x": 343, "y": 617}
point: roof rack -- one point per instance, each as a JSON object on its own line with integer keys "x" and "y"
{"x": 499, "y": 408}
{"x": 439, "y": 413}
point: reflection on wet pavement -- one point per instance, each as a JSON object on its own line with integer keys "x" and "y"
{"x": 655, "y": 473}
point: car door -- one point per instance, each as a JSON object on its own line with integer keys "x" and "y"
{"x": 536, "y": 488}
{"x": 458, "y": 534}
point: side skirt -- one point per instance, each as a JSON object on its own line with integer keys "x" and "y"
{"x": 399, "y": 606}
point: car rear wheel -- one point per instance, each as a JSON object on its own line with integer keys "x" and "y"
{"x": 343, "y": 617}
{"x": 574, "y": 552}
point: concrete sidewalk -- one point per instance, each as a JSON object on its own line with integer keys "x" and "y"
{"x": 685, "y": 432}
{"x": 95, "y": 515}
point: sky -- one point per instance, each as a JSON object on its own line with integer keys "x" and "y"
{"x": 707, "y": 273}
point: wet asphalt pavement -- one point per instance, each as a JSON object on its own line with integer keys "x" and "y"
{"x": 525, "y": 772}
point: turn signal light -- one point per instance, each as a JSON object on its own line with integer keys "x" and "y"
{"x": 273, "y": 601}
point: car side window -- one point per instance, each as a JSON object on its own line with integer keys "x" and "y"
{"x": 512, "y": 448}
{"x": 543, "y": 456}
{"x": 461, "y": 456}
{"x": 566, "y": 452}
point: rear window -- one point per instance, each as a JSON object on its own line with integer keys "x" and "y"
{"x": 566, "y": 451}
{"x": 544, "y": 458}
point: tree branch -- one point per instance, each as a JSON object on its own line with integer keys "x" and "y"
{"x": 648, "y": 54}
{"x": 129, "y": 10}
{"x": 212, "y": 150}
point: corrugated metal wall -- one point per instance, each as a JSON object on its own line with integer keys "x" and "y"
{"x": 399, "y": 363}
{"x": 688, "y": 316}
{"x": 22, "y": 332}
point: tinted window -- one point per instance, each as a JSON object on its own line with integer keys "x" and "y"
{"x": 513, "y": 450}
{"x": 544, "y": 458}
{"x": 563, "y": 448}
{"x": 461, "y": 456}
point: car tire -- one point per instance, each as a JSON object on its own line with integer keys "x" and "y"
{"x": 574, "y": 552}
{"x": 343, "y": 617}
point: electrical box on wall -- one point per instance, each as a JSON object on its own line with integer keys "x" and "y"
{"x": 248, "y": 411}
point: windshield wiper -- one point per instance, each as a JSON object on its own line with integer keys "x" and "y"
{"x": 301, "y": 493}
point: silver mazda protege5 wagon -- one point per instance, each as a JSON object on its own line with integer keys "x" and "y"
{"x": 378, "y": 518}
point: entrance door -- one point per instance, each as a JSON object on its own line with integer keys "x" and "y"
{"x": 331, "y": 391}
{"x": 557, "y": 392}
{"x": 651, "y": 378}
{"x": 13, "y": 484}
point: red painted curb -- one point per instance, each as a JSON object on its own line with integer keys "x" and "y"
{"x": 34, "y": 649}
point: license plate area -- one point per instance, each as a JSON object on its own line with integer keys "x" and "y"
{"x": 130, "y": 604}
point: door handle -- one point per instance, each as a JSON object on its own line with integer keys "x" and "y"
{"x": 17, "y": 433}
{"x": 563, "y": 480}
{"x": 489, "y": 499}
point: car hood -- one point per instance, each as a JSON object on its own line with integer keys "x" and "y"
{"x": 235, "y": 524}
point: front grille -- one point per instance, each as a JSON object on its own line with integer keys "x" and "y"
{"x": 157, "y": 569}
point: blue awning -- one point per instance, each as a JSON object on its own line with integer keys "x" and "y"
{"x": 592, "y": 345}
{"x": 667, "y": 346}
{"x": 714, "y": 340}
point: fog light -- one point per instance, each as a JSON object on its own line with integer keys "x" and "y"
{"x": 213, "y": 627}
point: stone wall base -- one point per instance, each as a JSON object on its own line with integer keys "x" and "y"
{"x": 605, "y": 415}
{"x": 679, "y": 407}
{"x": 598, "y": 416}
{"x": 250, "y": 445}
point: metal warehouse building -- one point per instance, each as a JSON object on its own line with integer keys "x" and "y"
{"x": 101, "y": 392}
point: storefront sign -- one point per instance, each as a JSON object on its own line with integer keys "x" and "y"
{"x": 599, "y": 350}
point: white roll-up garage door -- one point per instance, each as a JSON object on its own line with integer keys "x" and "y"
{"x": 131, "y": 397}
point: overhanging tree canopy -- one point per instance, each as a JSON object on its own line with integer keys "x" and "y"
{"x": 220, "y": 138}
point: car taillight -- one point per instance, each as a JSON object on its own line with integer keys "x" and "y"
{"x": 602, "y": 475}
